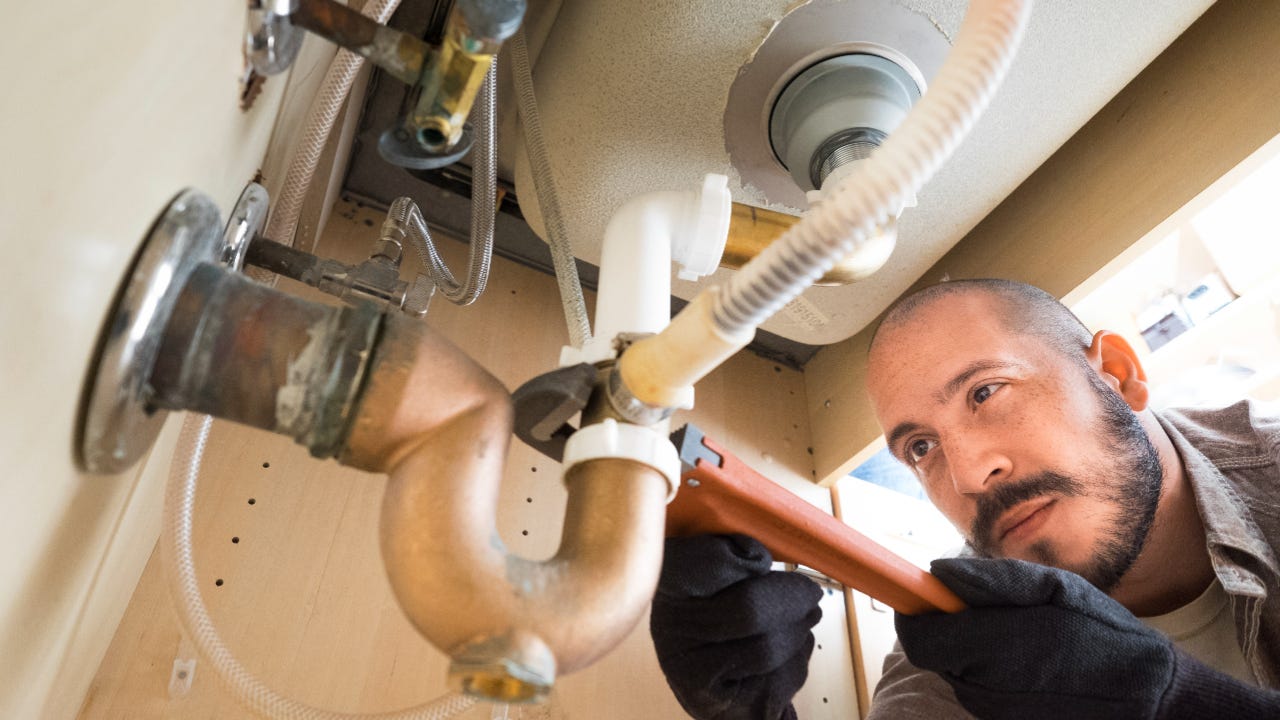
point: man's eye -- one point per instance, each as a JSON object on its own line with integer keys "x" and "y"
{"x": 917, "y": 449}
{"x": 984, "y": 392}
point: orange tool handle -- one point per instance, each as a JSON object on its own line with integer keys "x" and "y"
{"x": 733, "y": 498}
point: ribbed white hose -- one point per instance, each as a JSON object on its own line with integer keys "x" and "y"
{"x": 184, "y": 586}
{"x": 877, "y": 191}
{"x": 342, "y": 72}
{"x": 484, "y": 191}
{"x": 575, "y": 308}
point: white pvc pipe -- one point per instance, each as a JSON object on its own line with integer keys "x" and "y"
{"x": 635, "y": 266}
{"x": 640, "y": 242}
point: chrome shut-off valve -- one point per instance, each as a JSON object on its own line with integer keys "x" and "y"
{"x": 377, "y": 279}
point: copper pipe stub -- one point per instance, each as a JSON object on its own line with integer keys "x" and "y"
{"x": 752, "y": 229}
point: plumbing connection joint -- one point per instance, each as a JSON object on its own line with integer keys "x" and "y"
{"x": 837, "y": 112}
{"x": 444, "y": 81}
{"x": 641, "y": 240}
{"x": 119, "y": 413}
{"x": 752, "y": 229}
{"x": 475, "y": 33}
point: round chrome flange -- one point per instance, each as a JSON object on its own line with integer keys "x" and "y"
{"x": 271, "y": 42}
{"x": 246, "y": 223}
{"x": 117, "y": 424}
{"x": 806, "y": 36}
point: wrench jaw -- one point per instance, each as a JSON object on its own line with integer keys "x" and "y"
{"x": 545, "y": 405}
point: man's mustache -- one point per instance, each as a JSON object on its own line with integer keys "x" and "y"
{"x": 993, "y": 503}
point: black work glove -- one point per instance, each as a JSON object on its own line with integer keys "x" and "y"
{"x": 733, "y": 638}
{"x": 1038, "y": 642}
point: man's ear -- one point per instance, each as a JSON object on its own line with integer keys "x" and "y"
{"x": 1117, "y": 363}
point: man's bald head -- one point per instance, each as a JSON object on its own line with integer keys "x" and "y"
{"x": 1023, "y": 309}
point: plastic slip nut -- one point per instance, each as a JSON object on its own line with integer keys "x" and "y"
{"x": 611, "y": 439}
{"x": 701, "y": 254}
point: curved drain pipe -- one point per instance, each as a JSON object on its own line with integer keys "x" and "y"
{"x": 439, "y": 426}
{"x": 387, "y": 394}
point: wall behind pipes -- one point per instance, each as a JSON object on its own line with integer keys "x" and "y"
{"x": 110, "y": 110}
{"x": 304, "y": 601}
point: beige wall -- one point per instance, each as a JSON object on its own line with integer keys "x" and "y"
{"x": 109, "y": 110}
{"x": 1199, "y": 109}
{"x": 304, "y": 601}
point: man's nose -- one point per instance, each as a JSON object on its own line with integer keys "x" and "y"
{"x": 975, "y": 464}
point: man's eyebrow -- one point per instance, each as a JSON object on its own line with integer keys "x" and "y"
{"x": 899, "y": 432}
{"x": 955, "y": 383}
{"x": 942, "y": 396}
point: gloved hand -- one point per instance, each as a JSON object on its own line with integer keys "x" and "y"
{"x": 733, "y": 638}
{"x": 1038, "y": 642}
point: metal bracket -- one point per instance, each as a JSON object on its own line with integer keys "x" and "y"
{"x": 117, "y": 423}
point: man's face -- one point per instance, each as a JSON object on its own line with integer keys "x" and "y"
{"x": 1026, "y": 451}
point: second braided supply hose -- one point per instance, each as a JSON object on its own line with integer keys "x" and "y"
{"x": 484, "y": 189}
{"x": 575, "y": 307}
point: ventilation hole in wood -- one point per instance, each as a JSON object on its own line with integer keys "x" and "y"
{"x": 218, "y": 582}
{"x": 533, "y": 469}
{"x": 819, "y": 646}
{"x": 528, "y": 500}
{"x": 824, "y": 700}
{"x": 777, "y": 369}
{"x": 252, "y": 501}
{"x": 524, "y": 532}
{"x": 809, "y": 450}
{"x": 182, "y": 674}
{"x": 266, "y": 464}
{"x": 235, "y": 539}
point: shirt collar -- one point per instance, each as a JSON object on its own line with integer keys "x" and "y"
{"x": 1227, "y": 520}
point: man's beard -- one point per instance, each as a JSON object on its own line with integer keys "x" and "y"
{"x": 1134, "y": 494}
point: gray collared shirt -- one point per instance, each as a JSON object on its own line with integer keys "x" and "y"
{"x": 1232, "y": 458}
